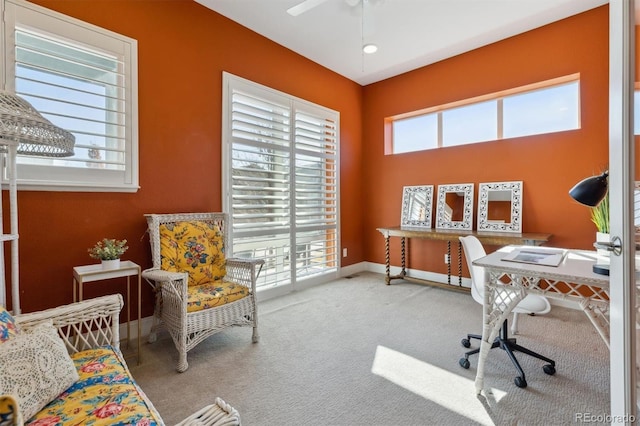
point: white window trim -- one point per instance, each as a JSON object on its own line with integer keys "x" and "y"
{"x": 267, "y": 291}
{"x": 69, "y": 179}
{"x": 496, "y": 96}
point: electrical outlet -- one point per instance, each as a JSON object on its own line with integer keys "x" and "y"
{"x": 446, "y": 259}
{"x": 344, "y": 252}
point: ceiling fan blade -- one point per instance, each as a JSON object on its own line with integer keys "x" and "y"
{"x": 304, "y": 6}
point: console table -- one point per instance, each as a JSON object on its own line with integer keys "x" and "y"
{"x": 450, "y": 235}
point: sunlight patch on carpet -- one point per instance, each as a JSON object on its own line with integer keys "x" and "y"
{"x": 443, "y": 387}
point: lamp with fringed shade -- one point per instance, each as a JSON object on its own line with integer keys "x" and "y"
{"x": 23, "y": 130}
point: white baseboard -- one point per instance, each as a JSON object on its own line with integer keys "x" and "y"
{"x": 145, "y": 328}
{"x": 344, "y": 272}
{"x": 353, "y": 269}
{"x": 441, "y": 278}
{"x": 415, "y": 273}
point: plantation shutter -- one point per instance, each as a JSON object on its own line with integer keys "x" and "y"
{"x": 282, "y": 177}
{"x": 78, "y": 90}
{"x": 83, "y": 79}
{"x": 316, "y": 173}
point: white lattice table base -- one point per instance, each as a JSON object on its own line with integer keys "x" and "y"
{"x": 572, "y": 280}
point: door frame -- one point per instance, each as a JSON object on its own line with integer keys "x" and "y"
{"x": 621, "y": 189}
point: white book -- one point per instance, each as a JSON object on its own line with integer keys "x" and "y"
{"x": 537, "y": 256}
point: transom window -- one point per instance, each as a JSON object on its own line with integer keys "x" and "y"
{"x": 550, "y": 106}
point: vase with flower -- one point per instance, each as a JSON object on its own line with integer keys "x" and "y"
{"x": 108, "y": 251}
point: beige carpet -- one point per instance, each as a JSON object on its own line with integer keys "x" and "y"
{"x": 358, "y": 352}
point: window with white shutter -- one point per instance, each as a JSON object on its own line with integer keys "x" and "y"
{"x": 83, "y": 79}
{"x": 281, "y": 182}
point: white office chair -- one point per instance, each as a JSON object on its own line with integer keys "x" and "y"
{"x": 531, "y": 304}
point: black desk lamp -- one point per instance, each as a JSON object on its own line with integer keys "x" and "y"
{"x": 590, "y": 192}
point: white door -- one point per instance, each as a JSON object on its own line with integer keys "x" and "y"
{"x": 621, "y": 185}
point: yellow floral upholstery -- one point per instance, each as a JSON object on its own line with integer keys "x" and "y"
{"x": 8, "y": 327}
{"x": 214, "y": 294}
{"x": 105, "y": 394}
{"x": 9, "y": 412}
{"x": 193, "y": 247}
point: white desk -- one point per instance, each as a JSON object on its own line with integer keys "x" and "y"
{"x": 573, "y": 279}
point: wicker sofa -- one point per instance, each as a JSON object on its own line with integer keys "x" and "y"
{"x": 102, "y": 390}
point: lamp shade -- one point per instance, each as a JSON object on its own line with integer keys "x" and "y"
{"x": 591, "y": 191}
{"x": 21, "y": 123}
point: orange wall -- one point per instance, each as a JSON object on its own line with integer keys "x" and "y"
{"x": 183, "y": 48}
{"x": 549, "y": 165}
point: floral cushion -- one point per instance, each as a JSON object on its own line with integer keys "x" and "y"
{"x": 105, "y": 394}
{"x": 9, "y": 411}
{"x": 8, "y": 327}
{"x": 193, "y": 247}
{"x": 214, "y": 294}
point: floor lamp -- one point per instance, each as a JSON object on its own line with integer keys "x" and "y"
{"x": 23, "y": 131}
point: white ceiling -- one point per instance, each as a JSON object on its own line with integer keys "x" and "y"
{"x": 409, "y": 33}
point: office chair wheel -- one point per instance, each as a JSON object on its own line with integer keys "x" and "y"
{"x": 549, "y": 369}
{"x": 466, "y": 343}
{"x": 520, "y": 382}
{"x": 464, "y": 363}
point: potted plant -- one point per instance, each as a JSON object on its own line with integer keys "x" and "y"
{"x": 109, "y": 251}
{"x": 600, "y": 217}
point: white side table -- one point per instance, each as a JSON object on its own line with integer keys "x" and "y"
{"x": 127, "y": 268}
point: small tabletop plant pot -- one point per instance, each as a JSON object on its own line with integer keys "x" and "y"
{"x": 111, "y": 264}
{"x": 108, "y": 251}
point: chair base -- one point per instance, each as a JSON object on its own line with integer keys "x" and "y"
{"x": 509, "y": 345}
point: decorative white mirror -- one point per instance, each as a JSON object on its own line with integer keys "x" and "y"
{"x": 417, "y": 202}
{"x": 455, "y": 206}
{"x": 500, "y": 206}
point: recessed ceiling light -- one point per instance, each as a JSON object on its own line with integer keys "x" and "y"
{"x": 369, "y": 48}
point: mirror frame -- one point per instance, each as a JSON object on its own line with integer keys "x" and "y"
{"x": 515, "y": 224}
{"x": 408, "y": 194}
{"x": 467, "y": 211}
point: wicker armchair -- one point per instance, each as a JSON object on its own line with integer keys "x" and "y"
{"x": 188, "y": 320}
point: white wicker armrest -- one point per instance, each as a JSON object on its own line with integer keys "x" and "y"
{"x": 245, "y": 261}
{"x": 160, "y": 275}
{"x": 82, "y": 325}
{"x": 244, "y": 271}
{"x": 173, "y": 284}
{"x": 218, "y": 414}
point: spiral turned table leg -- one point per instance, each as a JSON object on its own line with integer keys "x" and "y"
{"x": 402, "y": 251}
{"x": 460, "y": 264}
{"x": 387, "y": 278}
{"x": 449, "y": 262}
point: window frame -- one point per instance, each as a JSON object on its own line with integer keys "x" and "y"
{"x": 495, "y": 96}
{"x": 37, "y": 19}
{"x": 295, "y": 146}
